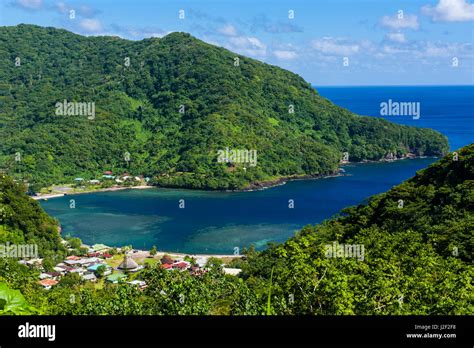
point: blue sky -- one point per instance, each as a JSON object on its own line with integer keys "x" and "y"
{"x": 328, "y": 42}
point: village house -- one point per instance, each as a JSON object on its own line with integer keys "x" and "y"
{"x": 89, "y": 277}
{"x": 99, "y": 248}
{"x": 53, "y": 275}
{"x": 115, "y": 278}
{"x": 94, "y": 268}
{"x": 201, "y": 261}
{"x": 197, "y": 271}
{"x": 108, "y": 175}
{"x": 32, "y": 263}
{"x": 231, "y": 271}
{"x": 100, "y": 254}
{"x": 48, "y": 283}
{"x": 167, "y": 260}
{"x": 73, "y": 257}
{"x": 139, "y": 283}
{"x": 44, "y": 276}
{"x": 59, "y": 270}
{"x": 181, "y": 265}
{"x": 129, "y": 265}
{"x": 83, "y": 262}
{"x": 78, "y": 270}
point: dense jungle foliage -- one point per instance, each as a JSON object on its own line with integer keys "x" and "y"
{"x": 417, "y": 260}
{"x": 163, "y": 107}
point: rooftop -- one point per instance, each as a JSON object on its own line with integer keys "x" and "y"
{"x": 98, "y": 247}
{"x": 128, "y": 263}
{"x": 115, "y": 277}
{"x": 96, "y": 266}
{"x": 48, "y": 282}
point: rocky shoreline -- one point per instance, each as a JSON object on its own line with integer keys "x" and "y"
{"x": 256, "y": 186}
{"x": 262, "y": 185}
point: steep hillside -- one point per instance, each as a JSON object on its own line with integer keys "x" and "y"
{"x": 416, "y": 259}
{"x": 165, "y": 107}
{"x": 23, "y": 221}
{"x": 410, "y": 252}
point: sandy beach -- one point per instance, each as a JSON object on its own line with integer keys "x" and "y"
{"x": 41, "y": 196}
{"x": 140, "y": 254}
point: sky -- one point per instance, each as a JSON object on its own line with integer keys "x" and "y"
{"x": 327, "y": 42}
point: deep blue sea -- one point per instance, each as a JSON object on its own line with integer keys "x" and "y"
{"x": 447, "y": 109}
{"x": 218, "y": 222}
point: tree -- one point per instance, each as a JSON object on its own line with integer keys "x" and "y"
{"x": 177, "y": 149}
{"x": 70, "y": 280}
{"x": 48, "y": 264}
{"x": 75, "y": 242}
{"x": 100, "y": 271}
{"x": 214, "y": 265}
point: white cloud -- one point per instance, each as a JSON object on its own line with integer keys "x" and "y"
{"x": 437, "y": 49}
{"x": 406, "y": 21}
{"x": 140, "y": 33}
{"x": 245, "y": 45}
{"x": 62, "y": 7}
{"x": 428, "y": 49}
{"x": 228, "y": 30}
{"x": 284, "y": 54}
{"x": 390, "y": 50}
{"x": 396, "y": 37}
{"x": 450, "y": 11}
{"x": 331, "y": 46}
{"x": 256, "y": 42}
{"x": 82, "y": 11}
{"x": 136, "y": 33}
{"x": 29, "y": 4}
{"x": 91, "y": 25}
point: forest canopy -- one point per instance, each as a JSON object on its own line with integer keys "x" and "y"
{"x": 417, "y": 260}
{"x": 171, "y": 104}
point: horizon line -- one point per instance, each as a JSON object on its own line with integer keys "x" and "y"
{"x": 453, "y": 85}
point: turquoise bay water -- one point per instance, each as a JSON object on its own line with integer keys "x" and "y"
{"x": 217, "y": 222}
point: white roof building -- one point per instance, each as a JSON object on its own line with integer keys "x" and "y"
{"x": 232, "y": 271}
{"x": 83, "y": 261}
{"x": 201, "y": 261}
{"x": 44, "y": 276}
{"x": 89, "y": 277}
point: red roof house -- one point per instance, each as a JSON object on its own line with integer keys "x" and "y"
{"x": 73, "y": 257}
{"x": 48, "y": 283}
{"x": 166, "y": 260}
{"x": 180, "y": 265}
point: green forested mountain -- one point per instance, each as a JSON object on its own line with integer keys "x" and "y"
{"x": 417, "y": 260}
{"x": 171, "y": 104}
{"x": 23, "y": 221}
